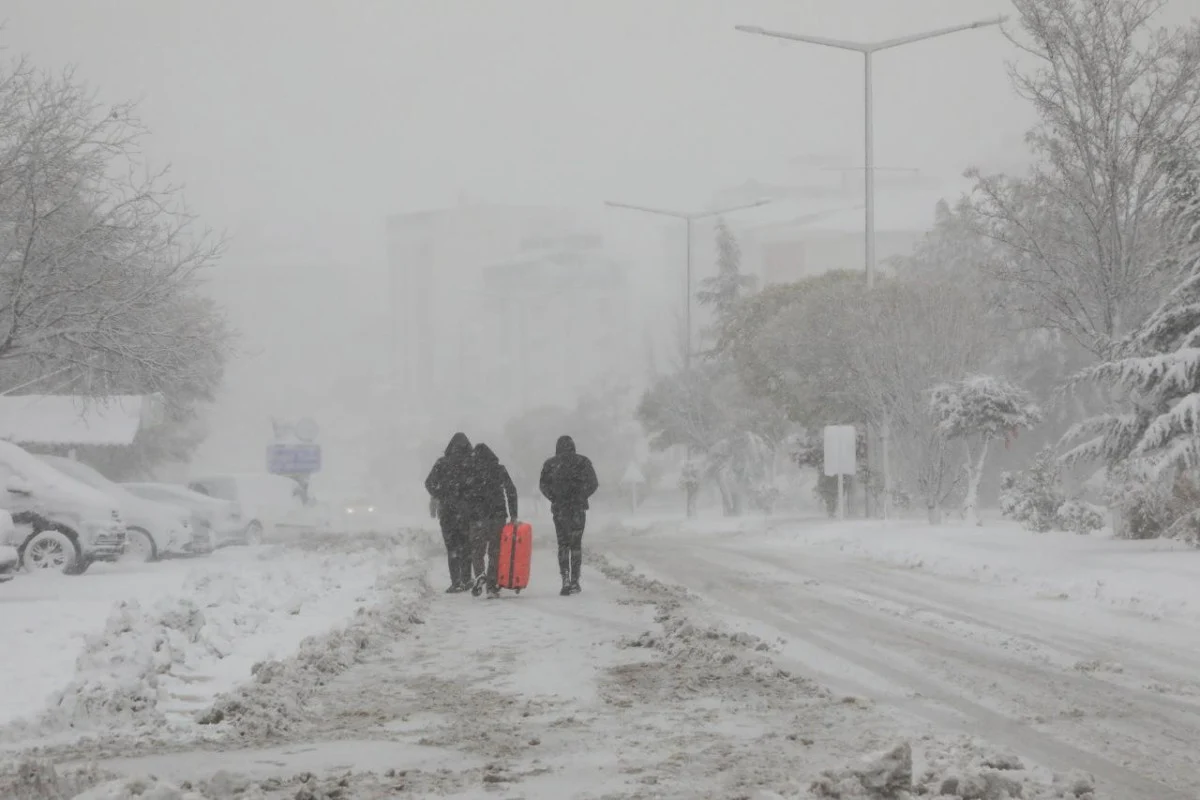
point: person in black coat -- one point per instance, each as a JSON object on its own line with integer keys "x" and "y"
{"x": 447, "y": 487}
{"x": 493, "y": 499}
{"x": 568, "y": 481}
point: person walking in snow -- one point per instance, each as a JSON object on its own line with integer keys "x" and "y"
{"x": 568, "y": 481}
{"x": 447, "y": 487}
{"x": 493, "y": 499}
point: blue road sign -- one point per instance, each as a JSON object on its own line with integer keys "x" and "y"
{"x": 293, "y": 459}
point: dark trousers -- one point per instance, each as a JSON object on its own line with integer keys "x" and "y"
{"x": 485, "y": 549}
{"x": 456, "y": 535}
{"x": 568, "y": 529}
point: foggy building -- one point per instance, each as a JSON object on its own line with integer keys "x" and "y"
{"x": 435, "y": 259}
{"x": 500, "y": 308}
{"x": 560, "y": 321}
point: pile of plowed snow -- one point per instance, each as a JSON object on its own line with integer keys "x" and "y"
{"x": 153, "y": 667}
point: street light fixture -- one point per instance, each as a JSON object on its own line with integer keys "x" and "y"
{"x": 868, "y": 49}
{"x": 689, "y": 217}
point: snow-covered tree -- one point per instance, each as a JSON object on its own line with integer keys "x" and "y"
{"x": 1034, "y": 495}
{"x": 978, "y": 410}
{"x": 1117, "y": 100}
{"x": 907, "y": 337}
{"x": 100, "y": 277}
{"x": 1154, "y": 434}
{"x": 722, "y": 291}
{"x": 732, "y": 434}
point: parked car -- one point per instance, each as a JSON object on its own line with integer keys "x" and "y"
{"x": 272, "y": 505}
{"x": 153, "y": 530}
{"x": 10, "y": 560}
{"x": 60, "y": 523}
{"x": 219, "y": 516}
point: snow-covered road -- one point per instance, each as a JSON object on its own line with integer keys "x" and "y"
{"x": 777, "y": 669}
{"x": 1116, "y": 694}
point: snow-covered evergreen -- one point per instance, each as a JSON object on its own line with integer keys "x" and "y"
{"x": 723, "y": 291}
{"x": 1155, "y": 371}
{"x": 977, "y": 411}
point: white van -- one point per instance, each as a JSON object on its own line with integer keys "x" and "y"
{"x": 153, "y": 529}
{"x": 271, "y": 505}
{"x": 59, "y": 522}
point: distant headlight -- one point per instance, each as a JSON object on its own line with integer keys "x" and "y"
{"x": 370, "y": 509}
{"x": 349, "y": 510}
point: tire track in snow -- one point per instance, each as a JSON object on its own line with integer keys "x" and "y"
{"x": 801, "y": 613}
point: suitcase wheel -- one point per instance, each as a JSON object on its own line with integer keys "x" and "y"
{"x": 518, "y": 591}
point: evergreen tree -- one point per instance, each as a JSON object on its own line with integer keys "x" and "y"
{"x": 723, "y": 291}
{"x": 1155, "y": 371}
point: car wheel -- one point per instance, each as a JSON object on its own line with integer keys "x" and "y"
{"x": 51, "y": 551}
{"x": 254, "y": 533}
{"x": 139, "y": 547}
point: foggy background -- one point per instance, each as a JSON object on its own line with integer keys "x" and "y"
{"x": 315, "y": 134}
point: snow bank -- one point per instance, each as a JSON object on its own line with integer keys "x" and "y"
{"x": 156, "y": 663}
{"x": 272, "y": 703}
{"x": 960, "y": 769}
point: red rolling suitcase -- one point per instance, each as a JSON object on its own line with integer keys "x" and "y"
{"x": 516, "y": 553}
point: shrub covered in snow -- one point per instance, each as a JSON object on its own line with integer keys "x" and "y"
{"x": 1147, "y": 508}
{"x": 1080, "y": 517}
{"x": 1034, "y": 496}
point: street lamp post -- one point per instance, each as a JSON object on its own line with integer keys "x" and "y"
{"x": 868, "y": 50}
{"x": 689, "y": 218}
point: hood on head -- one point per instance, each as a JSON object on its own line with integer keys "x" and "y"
{"x": 565, "y": 445}
{"x": 482, "y": 451}
{"x": 459, "y": 445}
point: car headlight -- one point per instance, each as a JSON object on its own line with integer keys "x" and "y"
{"x": 370, "y": 509}
{"x": 349, "y": 510}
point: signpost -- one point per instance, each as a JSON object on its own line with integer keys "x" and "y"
{"x": 293, "y": 459}
{"x": 841, "y": 459}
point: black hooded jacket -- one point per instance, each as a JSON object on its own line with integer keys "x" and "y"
{"x": 448, "y": 480}
{"x": 568, "y": 479}
{"x": 491, "y": 492}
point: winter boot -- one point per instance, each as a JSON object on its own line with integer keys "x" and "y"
{"x": 477, "y": 587}
{"x": 574, "y": 587}
{"x": 493, "y": 593}
{"x": 566, "y": 585}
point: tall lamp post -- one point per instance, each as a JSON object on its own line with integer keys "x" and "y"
{"x": 689, "y": 218}
{"x": 868, "y": 50}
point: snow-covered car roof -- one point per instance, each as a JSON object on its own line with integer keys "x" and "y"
{"x": 132, "y": 504}
{"x": 182, "y": 493}
{"x": 38, "y": 471}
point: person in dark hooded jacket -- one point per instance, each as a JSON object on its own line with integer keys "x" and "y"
{"x": 568, "y": 481}
{"x": 493, "y": 499}
{"x": 447, "y": 485}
